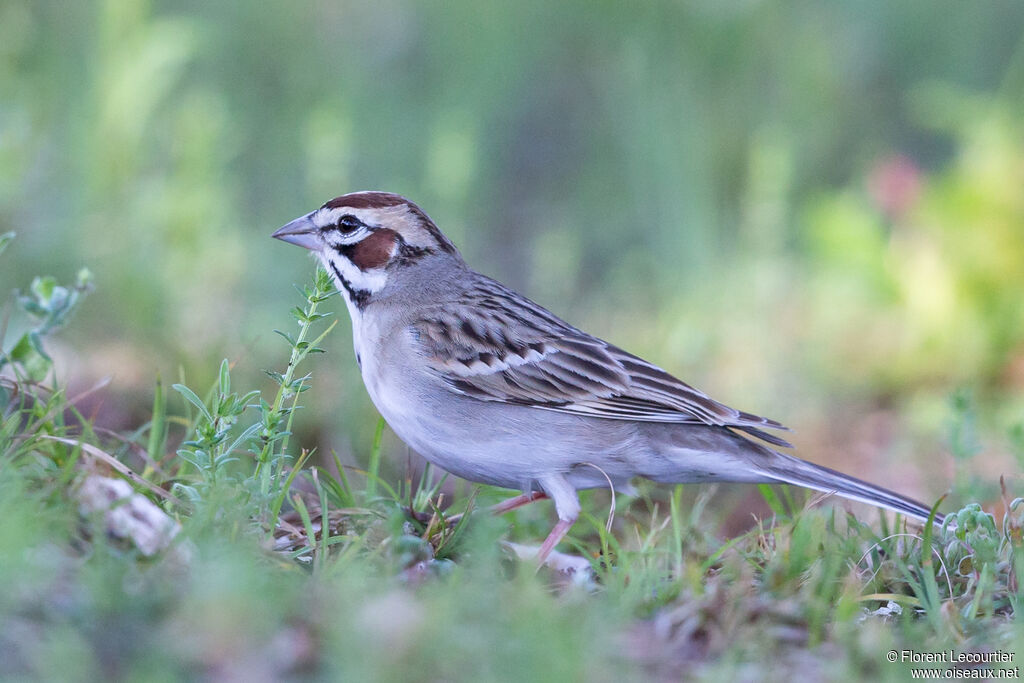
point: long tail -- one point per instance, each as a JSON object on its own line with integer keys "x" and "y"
{"x": 788, "y": 469}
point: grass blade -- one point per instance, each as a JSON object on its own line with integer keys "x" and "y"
{"x": 157, "y": 428}
{"x": 770, "y": 497}
{"x": 373, "y": 467}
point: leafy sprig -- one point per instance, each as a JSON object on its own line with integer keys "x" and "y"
{"x": 217, "y": 441}
{"x": 48, "y": 306}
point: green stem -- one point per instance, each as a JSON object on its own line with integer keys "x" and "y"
{"x": 300, "y": 349}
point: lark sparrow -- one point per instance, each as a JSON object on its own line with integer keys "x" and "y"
{"x": 496, "y": 389}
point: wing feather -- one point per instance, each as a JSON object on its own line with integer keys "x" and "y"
{"x": 494, "y": 345}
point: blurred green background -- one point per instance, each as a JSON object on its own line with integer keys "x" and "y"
{"x": 811, "y": 210}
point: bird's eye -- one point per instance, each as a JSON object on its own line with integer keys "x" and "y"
{"x": 349, "y": 223}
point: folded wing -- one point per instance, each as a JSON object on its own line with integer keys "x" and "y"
{"x": 494, "y": 345}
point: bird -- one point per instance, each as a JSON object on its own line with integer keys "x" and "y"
{"x": 496, "y": 389}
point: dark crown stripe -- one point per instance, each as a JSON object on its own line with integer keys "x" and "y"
{"x": 367, "y": 200}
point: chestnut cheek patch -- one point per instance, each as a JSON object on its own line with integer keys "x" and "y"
{"x": 376, "y": 250}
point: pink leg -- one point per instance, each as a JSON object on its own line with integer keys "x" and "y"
{"x": 556, "y": 535}
{"x": 517, "y": 502}
{"x": 507, "y": 505}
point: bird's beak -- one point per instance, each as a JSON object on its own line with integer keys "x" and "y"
{"x": 300, "y": 231}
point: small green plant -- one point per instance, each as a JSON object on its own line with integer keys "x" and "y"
{"x": 32, "y": 415}
{"x": 276, "y": 418}
{"x": 209, "y": 451}
{"x": 219, "y": 437}
{"x": 48, "y": 306}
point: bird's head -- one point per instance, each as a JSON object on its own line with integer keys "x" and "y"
{"x": 365, "y": 238}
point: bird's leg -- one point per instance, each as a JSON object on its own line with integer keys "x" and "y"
{"x": 517, "y": 502}
{"x": 567, "y": 505}
{"x": 556, "y": 535}
{"x": 507, "y": 505}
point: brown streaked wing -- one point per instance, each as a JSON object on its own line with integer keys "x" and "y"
{"x": 484, "y": 354}
{"x": 494, "y": 345}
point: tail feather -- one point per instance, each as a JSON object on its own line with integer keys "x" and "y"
{"x": 765, "y": 436}
{"x": 787, "y": 469}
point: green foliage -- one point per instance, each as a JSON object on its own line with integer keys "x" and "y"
{"x": 208, "y": 452}
{"x": 48, "y": 307}
{"x": 928, "y": 288}
{"x": 32, "y": 415}
{"x": 260, "y": 490}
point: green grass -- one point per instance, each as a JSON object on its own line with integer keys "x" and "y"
{"x": 289, "y": 565}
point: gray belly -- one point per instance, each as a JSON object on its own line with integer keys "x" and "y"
{"x": 508, "y": 445}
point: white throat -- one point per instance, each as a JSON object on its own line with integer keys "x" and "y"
{"x": 356, "y": 287}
